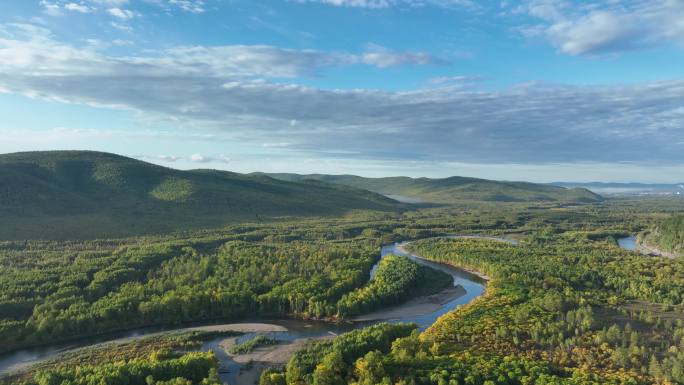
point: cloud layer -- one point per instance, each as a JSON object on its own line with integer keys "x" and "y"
{"x": 232, "y": 89}
{"x": 606, "y": 26}
{"x": 57, "y": 7}
{"x": 194, "y": 158}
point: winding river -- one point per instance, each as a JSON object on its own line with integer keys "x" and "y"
{"x": 422, "y": 311}
{"x": 632, "y": 243}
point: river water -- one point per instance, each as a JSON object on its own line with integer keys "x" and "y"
{"x": 296, "y": 329}
{"x": 627, "y": 243}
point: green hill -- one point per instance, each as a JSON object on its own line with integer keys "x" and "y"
{"x": 79, "y": 194}
{"x": 455, "y": 189}
{"x": 668, "y": 236}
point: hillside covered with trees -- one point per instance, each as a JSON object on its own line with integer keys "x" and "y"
{"x": 455, "y": 189}
{"x": 668, "y": 235}
{"x": 83, "y": 194}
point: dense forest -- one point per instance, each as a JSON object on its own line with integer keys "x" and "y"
{"x": 454, "y": 189}
{"x": 158, "y": 360}
{"x": 85, "y": 195}
{"x": 191, "y": 368}
{"x": 51, "y": 291}
{"x": 562, "y": 308}
{"x": 668, "y": 235}
{"x": 565, "y": 305}
{"x": 396, "y": 279}
{"x": 326, "y": 362}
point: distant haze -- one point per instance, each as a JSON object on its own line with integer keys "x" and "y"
{"x": 629, "y": 188}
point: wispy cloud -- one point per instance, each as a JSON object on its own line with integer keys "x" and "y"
{"x": 109, "y": 3}
{"x": 382, "y": 57}
{"x": 160, "y": 157}
{"x": 455, "y": 80}
{"x": 115, "y": 8}
{"x": 52, "y": 8}
{"x": 193, "y": 6}
{"x": 223, "y": 89}
{"x": 77, "y": 8}
{"x": 194, "y": 158}
{"x": 26, "y": 44}
{"x": 123, "y": 14}
{"x": 378, "y": 4}
{"x": 607, "y": 26}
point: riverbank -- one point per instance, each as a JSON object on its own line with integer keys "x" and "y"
{"x": 638, "y": 243}
{"x": 648, "y": 249}
{"x": 414, "y": 307}
{"x": 25, "y": 362}
{"x": 486, "y": 237}
{"x": 239, "y": 328}
{"x": 479, "y": 274}
{"x": 252, "y": 364}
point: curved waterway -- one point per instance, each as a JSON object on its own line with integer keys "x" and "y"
{"x": 290, "y": 332}
{"x": 631, "y": 243}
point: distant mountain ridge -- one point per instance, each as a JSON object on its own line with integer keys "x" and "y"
{"x": 455, "y": 189}
{"x": 83, "y": 194}
{"x": 627, "y": 188}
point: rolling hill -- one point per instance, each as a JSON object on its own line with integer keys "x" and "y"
{"x": 455, "y": 189}
{"x": 81, "y": 194}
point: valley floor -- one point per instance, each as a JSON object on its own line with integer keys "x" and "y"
{"x": 564, "y": 305}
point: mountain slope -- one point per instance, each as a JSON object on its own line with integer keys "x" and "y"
{"x": 668, "y": 236}
{"x": 455, "y": 189}
{"x": 79, "y": 194}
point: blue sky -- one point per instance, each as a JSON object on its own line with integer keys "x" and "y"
{"x": 540, "y": 90}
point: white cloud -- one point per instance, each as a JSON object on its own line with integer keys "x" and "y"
{"x": 123, "y": 14}
{"x": 269, "y": 61}
{"x": 121, "y": 42}
{"x": 378, "y": 4}
{"x": 26, "y": 45}
{"x": 164, "y": 158}
{"x": 192, "y": 6}
{"x": 382, "y": 57}
{"x": 121, "y": 26}
{"x": 607, "y": 26}
{"x": 56, "y": 7}
{"x": 50, "y": 7}
{"x": 357, "y": 3}
{"x": 199, "y": 158}
{"x": 109, "y": 3}
{"x": 77, "y": 8}
{"x": 194, "y": 158}
{"x": 114, "y": 8}
{"x": 223, "y": 89}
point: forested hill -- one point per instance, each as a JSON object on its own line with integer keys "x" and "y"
{"x": 79, "y": 194}
{"x": 455, "y": 189}
{"x": 669, "y": 235}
